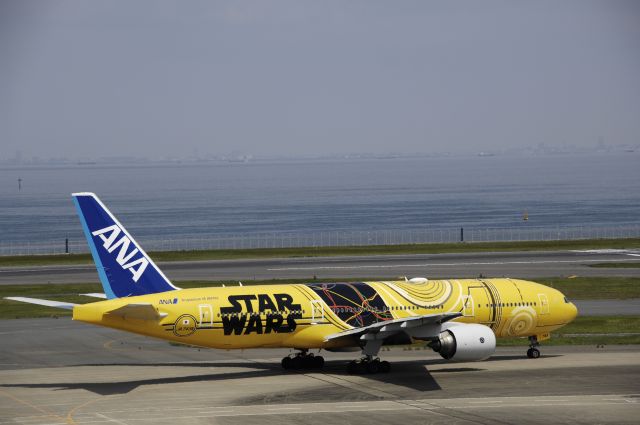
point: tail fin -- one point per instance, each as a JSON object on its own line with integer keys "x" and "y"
{"x": 123, "y": 266}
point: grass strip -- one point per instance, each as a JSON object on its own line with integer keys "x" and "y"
{"x": 433, "y": 248}
{"x": 590, "y": 330}
{"x": 595, "y": 288}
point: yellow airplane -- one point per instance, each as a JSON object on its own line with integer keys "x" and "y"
{"x": 459, "y": 319}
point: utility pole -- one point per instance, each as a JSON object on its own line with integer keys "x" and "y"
{"x": 19, "y": 183}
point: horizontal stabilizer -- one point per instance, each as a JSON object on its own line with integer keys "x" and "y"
{"x": 95, "y": 295}
{"x": 137, "y": 311}
{"x": 48, "y": 303}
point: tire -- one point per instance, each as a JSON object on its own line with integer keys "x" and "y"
{"x": 318, "y": 362}
{"x": 352, "y": 367}
{"x": 307, "y": 362}
{"x": 385, "y": 366}
{"x": 286, "y": 363}
{"x": 529, "y": 353}
{"x": 297, "y": 363}
{"x": 373, "y": 367}
{"x": 535, "y": 353}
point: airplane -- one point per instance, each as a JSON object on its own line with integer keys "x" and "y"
{"x": 457, "y": 318}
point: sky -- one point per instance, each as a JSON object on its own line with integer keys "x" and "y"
{"x": 162, "y": 79}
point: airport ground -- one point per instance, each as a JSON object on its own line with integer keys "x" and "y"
{"x": 519, "y": 264}
{"x": 64, "y": 372}
{"x": 56, "y": 371}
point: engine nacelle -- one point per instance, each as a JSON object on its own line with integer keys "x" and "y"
{"x": 465, "y": 342}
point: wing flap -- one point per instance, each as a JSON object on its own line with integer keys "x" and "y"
{"x": 390, "y": 327}
{"x": 38, "y": 301}
{"x": 142, "y": 311}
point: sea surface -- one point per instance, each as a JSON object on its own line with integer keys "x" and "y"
{"x": 201, "y": 200}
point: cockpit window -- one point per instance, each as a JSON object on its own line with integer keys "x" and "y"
{"x": 566, "y": 300}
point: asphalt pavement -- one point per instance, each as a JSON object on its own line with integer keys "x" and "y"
{"x": 64, "y": 372}
{"x": 491, "y": 264}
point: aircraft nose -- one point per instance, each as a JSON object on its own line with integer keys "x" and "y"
{"x": 571, "y": 311}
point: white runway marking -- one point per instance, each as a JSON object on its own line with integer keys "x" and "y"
{"x": 282, "y": 408}
{"x": 42, "y": 269}
{"x": 488, "y": 263}
{"x": 108, "y": 419}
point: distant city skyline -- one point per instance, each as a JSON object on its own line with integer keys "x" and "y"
{"x": 541, "y": 149}
{"x": 161, "y": 79}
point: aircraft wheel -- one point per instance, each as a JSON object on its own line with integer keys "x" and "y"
{"x": 373, "y": 366}
{"x": 352, "y": 367}
{"x": 318, "y": 362}
{"x": 297, "y": 363}
{"x": 287, "y": 363}
{"x": 535, "y": 353}
{"x": 306, "y": 362}
{"x": 385, "y": 366}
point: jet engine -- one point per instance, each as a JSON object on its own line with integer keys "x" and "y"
{"x": 465, "y": 342}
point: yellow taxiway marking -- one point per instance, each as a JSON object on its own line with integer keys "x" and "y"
{"x": 30, "y": 405}
{"x": 73, "y": 411}
{"x": 107, "y": 345}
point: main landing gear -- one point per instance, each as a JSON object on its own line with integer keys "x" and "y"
{"x": 302, "y": 360}
{"x": 533, "y": 352}
{"x": 368, "y": 364}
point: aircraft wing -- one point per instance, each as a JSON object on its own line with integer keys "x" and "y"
{"x": 48, "y": 303}
{"x": 142, "y": 311}
{"x": 424, "y": 325}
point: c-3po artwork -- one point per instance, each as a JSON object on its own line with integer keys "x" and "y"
{"x": 459, "y": 319}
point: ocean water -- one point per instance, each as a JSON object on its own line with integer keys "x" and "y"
{"x": 211, "y": 200}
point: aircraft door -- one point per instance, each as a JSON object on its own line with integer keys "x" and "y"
{"x": 479, "y": 297}
{"x": 468, "y": 309}
{"x": 206, "y": 315}
{"x": 544, "y": 304}
{"x": 317, "y": 312}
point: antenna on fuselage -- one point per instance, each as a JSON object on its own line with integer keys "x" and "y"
{"x": 239, "y": 283}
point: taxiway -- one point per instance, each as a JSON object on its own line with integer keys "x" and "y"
{"x": 64, "y": 372}
{"x": 490, "y": 264}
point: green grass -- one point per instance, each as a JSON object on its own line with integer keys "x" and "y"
{"x": 590, "y": 330}
{"x": 592, "y": 288}
{"x": 433, "y": 248}
{"x": 629, "y": 265}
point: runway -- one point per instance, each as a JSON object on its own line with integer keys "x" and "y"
{"x": 491, "y": 264}
{"x": 63, "y": 372}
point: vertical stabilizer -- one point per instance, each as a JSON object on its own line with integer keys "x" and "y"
{"x": 123, "y": 266}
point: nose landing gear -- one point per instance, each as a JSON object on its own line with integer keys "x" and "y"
{"x": 533, "y": 352}
{"x": 302, "y": 360}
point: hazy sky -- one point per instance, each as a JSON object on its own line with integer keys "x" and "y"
{"x": 156, "y": 78}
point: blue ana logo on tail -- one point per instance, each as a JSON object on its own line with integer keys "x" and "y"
{"x": 110, "y": 242}
{"x": 123, "y": 266}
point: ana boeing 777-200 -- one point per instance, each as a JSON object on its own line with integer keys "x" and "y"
{"x": 458, "y": 318}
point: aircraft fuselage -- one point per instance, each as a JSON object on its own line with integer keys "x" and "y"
{"x": 303, "y": 315}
